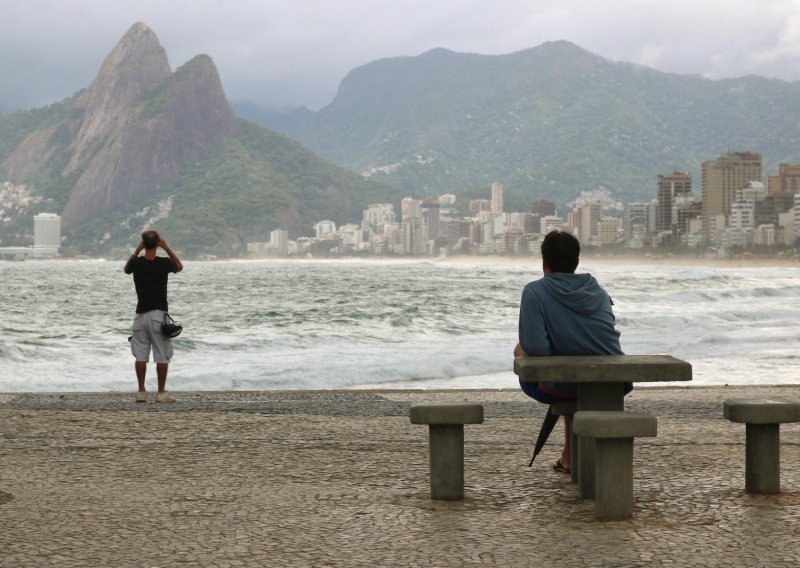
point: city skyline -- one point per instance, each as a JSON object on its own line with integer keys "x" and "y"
{"x": 736, "y": 209}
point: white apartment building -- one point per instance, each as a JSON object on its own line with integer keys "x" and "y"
{"x": 410, "y": 208}
{"x": 497, "y": 199}
{"x": 352, "y": 237}
{"x": 765, "y": 235}
{"x": 279, "y": 241}
{"x": 325, "y": 227}
{"x": 46, "y": 235}
{"x": 753, "y": 191}
{"x": 609, "y": 231}
{"x": 551, "y": 223}
{"x": 377, "y": 215}
{"x": 743, "y": 215}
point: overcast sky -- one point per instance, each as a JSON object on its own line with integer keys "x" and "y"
{"x": 295, "y": 52}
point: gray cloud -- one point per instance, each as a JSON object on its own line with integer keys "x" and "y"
{"x": 293, "y": 53}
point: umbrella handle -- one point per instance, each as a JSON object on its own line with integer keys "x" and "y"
{"x": 530, "y": 463}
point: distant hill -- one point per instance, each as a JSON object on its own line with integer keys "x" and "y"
{"x": 548, "y": 122}
{"x": 143, "y": 145}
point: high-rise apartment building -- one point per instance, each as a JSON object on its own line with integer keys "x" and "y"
{"x": 722, "y": 179}
{"x": 325, "y": 227}
{"x": 46, "y": 235}
{"x": 674, "y": 190}
{"x": 410, "y": 208}
{"x": 430, "y": 218}
{"x": 583, "y": 220}
{"x": 279, "y": 241}
{"x": 377, "y": 215}
{"x": 787, "y": 180}
{"x": 550, "y": 223}
{"x": 411, "y": 236}
{"x": 497, "y": 198}
{"x": 543, "y": 208}
{"x": 640, "y": 222}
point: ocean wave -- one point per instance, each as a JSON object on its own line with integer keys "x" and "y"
{"x": 336, "y": 325}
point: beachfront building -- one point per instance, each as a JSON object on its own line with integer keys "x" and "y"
{"x": 324, "y": 228}
{"x": 609, "y": 231}
{"x": 279, "y": 242}
{"x": 497, "y": 199}
{"x": 723, "y": 180}
{"x": 674, "y": 196}
{"x": 551, "y": 223}
{"x": 46, "y": 235}
{"x": 430, "y": 218}
{"x": 673, "y": 189}
{"x": 787, "y": 180}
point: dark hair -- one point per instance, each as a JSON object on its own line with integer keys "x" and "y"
{"x": 150, "y": 239}
{"x": 560, "y": 251}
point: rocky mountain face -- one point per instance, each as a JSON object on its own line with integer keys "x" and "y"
{"x": 548, "y": 122}
{"x": 132, "y": 131}
{"x": 144, "y": 145}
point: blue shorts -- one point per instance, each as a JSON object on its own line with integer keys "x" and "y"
{"x": 540, "y": 394}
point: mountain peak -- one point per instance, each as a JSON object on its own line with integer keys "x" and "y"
{"x": 136, "y": 65}
{"x": 142, "y": 123}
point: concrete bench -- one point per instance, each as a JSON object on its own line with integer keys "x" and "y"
{"x": 569, "y": 408}
{"x": 762, "y": 419}
{"x": 613, "y": 434}
{"x": 446, "y": 446}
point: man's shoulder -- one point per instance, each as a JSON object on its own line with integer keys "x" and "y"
{"x": 533, "y": 286}
{"x": 166, "y": 263}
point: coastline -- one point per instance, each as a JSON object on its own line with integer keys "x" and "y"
{"x": 340, "y": 478}
{"x": 665, "y": 261}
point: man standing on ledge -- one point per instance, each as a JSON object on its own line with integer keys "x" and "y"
{"x": 564, "y": 314}
{"x": 150, "y": 273}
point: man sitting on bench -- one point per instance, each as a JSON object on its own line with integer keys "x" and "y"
{"x": 564, "y": 313}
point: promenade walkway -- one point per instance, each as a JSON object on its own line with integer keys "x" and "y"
{"x": 339, "y": 478}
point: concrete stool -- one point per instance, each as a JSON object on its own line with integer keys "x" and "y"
{"x": 446, "y": 434}
{"x": 613, "y": 433}
{"x": 569, "y": 408}
{"x": 762, "y": 419}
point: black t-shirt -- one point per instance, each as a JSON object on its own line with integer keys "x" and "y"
{"x": 150, "y": 278}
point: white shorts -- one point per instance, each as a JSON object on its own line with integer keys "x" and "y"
{"x": 147, "y": 334}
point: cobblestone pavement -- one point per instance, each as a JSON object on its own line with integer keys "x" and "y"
{"x": 339, "y": 478}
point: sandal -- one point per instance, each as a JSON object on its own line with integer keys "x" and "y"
{"x": 560, "y": 468}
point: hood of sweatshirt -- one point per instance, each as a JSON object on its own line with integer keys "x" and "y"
{"x": 580, "y": 293}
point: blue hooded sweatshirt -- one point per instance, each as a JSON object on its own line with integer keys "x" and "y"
{"x": 567, "y": 314}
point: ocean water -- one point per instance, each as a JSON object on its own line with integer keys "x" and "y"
{"x": 376, "y": 324}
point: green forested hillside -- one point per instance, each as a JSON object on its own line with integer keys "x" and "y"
{"x": 144, "y": 146}
{"x": 548, "y": 122}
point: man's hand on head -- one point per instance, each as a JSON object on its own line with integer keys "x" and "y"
{"x": 163, "y": 244}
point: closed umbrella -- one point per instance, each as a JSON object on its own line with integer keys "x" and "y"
{"x": 548, "y": 424}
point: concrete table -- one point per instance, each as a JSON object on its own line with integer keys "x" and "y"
{"x": 600, "y": 381}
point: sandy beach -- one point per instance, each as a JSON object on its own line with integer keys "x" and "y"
{"x": 666, "y": 261}
{"x": 332, "y": 478}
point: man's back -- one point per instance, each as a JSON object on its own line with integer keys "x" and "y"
{"x": 567, "y": 314}
{"x": 150, "y": 278}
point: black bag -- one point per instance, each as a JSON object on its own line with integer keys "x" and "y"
{"x": 170, "y": 327}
